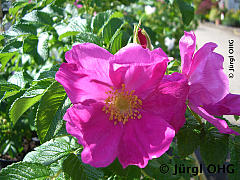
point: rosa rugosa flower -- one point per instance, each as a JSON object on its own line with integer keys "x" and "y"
{"x": 122, "y": 106}
{"x": 208, "y": 84}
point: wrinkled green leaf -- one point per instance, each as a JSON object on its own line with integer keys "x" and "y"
{"x": 75, "y": 24}
{"x": 186, "y": 10}
{"x": 49, "y": 74}
{"x": 110, "y": 29}
{"x": 5, "y": 57}
{"x": 214, "y": 148}
{"x": 16, "y": 7}
{"x": 50, "y": 151}
{"x": 38, "y": 17}
{"x": 29, "y": 98}
{"x": 99, "y": 21}
{"x": 119, "y": 41}
{"x": 42, "y": 47}
{"x": 26, "y": 171}
{"x": 130, "y": 172}
{"x": 22, "y": 29}
{"x": 236, "y": 117}
{"x": 22, "y": 104}
{"x": 77, "y": 170}
{"x": 187, "y": 141}
{"x": 67, "y": 34}
{"x": 30, "y": 46}
{"x": 51, "y": 101}
{"x": 18, "y": 78}
{"x": 8, "y": 89}
{"x": 88, "y": 37}
{"x": 12, "y": 46}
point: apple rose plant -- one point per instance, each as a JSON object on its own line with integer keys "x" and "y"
{"x": 105, "y": 101}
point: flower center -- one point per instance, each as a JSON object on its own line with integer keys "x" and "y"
{"x": 122, "y": 105}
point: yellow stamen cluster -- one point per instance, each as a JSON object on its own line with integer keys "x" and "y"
{"x": 122, "y": 105}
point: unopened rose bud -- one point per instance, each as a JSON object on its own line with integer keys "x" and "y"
{"x": 141, "y": 37}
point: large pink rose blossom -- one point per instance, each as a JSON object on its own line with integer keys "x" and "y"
{"x": 123, "y": 106}
{"x": 208, "y": 84}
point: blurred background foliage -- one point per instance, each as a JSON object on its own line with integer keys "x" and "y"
{"x": 218, "y": 12}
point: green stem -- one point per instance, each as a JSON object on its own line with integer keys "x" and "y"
{"x": 56, "y": 175}
{"x": 196, "y": 116}
{"x": 145, "y": 174}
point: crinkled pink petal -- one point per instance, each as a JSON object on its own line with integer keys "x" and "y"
{"x": 144, "y": 79}
{"x": 144, "y": 139}
{"x": 169, "y": 100}
{"x": 229, "y": 105}
{"x": 118, "y": 75}
{"x": 187, "y": 45}
{"x": 89, "y": 56}
{"x": 81, "y": 84}
{"x": 99, "y": 136}
{"x": 220, "y": 124}
{"x": 159, "y": 52}
{"x": 134, "y": 53}
{"x": 208, "y": 82}
{"x": 139, "y": 69}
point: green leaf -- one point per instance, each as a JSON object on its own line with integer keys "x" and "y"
{"x": 110, "y": 29}
{"x": 38, "y": 17}
{"x": 236, "y": 117}
{"x": 50, "y": 152}
{"x": 30, "y": 46}
{"x": 67, "y": 34}
{"x": 119, "y": 41}
{"x": 187, "y": 141}
{"x": 162, "y": 168}
{"x": 22, "y": 104}
{"x": 51, "y": 101}
{"x": 8, "y": 89}
{"x": 186, "y": 10}
{"x": 5, "y": 57}
{"x": 75, "y": 25}
{"x": 214, "y": 148}
{"x": 77, "y": 170}
{"x": 49, "y": 74}
{"x": 88, "y": 37}
{"x": 26, "y": 171}
{"x": 42, "y": 47}
{"x": 99, "y": 21}
{"x": 29, "y": 98}
{"x": 12, "y": 46}
{"x": 16, "y": 7}
{"x": 18, "y": 79}
{"x": 130, "y": 172}
{"x": 22, "y": 29}
{"x": 42, "y": 83}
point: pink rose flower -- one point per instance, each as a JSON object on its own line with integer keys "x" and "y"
{"x": 123, "y": 106}
{"x": 208, "y": 84}
{"x": 77, "y": 4}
